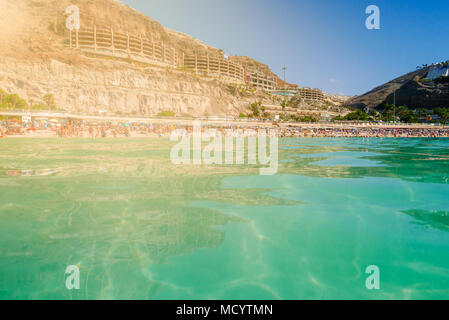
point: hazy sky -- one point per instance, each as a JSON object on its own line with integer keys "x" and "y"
{"x": 323, "y": 43}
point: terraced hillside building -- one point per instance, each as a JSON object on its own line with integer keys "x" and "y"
{"x": 216, "y": 66}
{"x": 261, "y": 80}
{"x": 107, "y": 42}
{"x": 104, "y": 41}
{"x": 310, "y": 94}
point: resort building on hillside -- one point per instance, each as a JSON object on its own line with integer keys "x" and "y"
{"x": 216, "y": 66}
{"x": 261, "y": 81}
{"x": 307, "y": 94}
{"x": 311, "y": 94}
{"x": 107, "y": 42}
{"x": 436, "y": 72}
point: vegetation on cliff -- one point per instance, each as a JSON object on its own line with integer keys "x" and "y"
{"x": 14, "y": 102}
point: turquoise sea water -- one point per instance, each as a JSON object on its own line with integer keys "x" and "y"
{"x": 140, "y": 227}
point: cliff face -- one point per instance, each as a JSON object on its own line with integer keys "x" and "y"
{"x": 118, "y": 88}
{"x": 35, "y": 60}
{"x": 410, "y": 91}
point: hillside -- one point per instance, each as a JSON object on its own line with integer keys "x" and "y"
{"x": 121, "y": 62}
{"x": 30, "y": 27}
{"x": 411, "y": 90}
{"x": 35, "y": 59}
{"x": 256, "y": 66}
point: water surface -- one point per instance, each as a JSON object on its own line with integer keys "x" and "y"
{"x": 140, "y": 227}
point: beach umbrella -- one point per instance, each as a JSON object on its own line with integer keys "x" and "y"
{"x": 14, "y": 173}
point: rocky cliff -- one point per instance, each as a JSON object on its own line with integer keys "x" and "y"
{"x": 119, "y": 88}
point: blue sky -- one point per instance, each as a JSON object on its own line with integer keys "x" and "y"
{"x": 323, "y": 43}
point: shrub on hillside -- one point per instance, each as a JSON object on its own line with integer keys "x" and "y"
{"x": 166, "y": 113}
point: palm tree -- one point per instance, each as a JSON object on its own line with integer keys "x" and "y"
{"x": 2, "y": 94}
{"x": 284, "y": 104}
{"x": 13, "y": 99}
{"x": 49, "y": 100}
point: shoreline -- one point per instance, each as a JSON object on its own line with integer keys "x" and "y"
{"x": 164, "y": 127}
{"x": 217, "y": 121}
{"x": 310, "y": 132}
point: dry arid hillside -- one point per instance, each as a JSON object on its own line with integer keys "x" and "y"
{"x": 28, "y": 27}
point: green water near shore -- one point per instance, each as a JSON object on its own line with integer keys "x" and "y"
{"x": 140, "y": 227}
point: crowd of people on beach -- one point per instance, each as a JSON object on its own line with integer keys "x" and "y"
{"x": 366, "y": 132}
{"x": 95, "y": 130}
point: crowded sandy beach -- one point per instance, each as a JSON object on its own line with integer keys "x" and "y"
{"x": 164, "y": 127}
